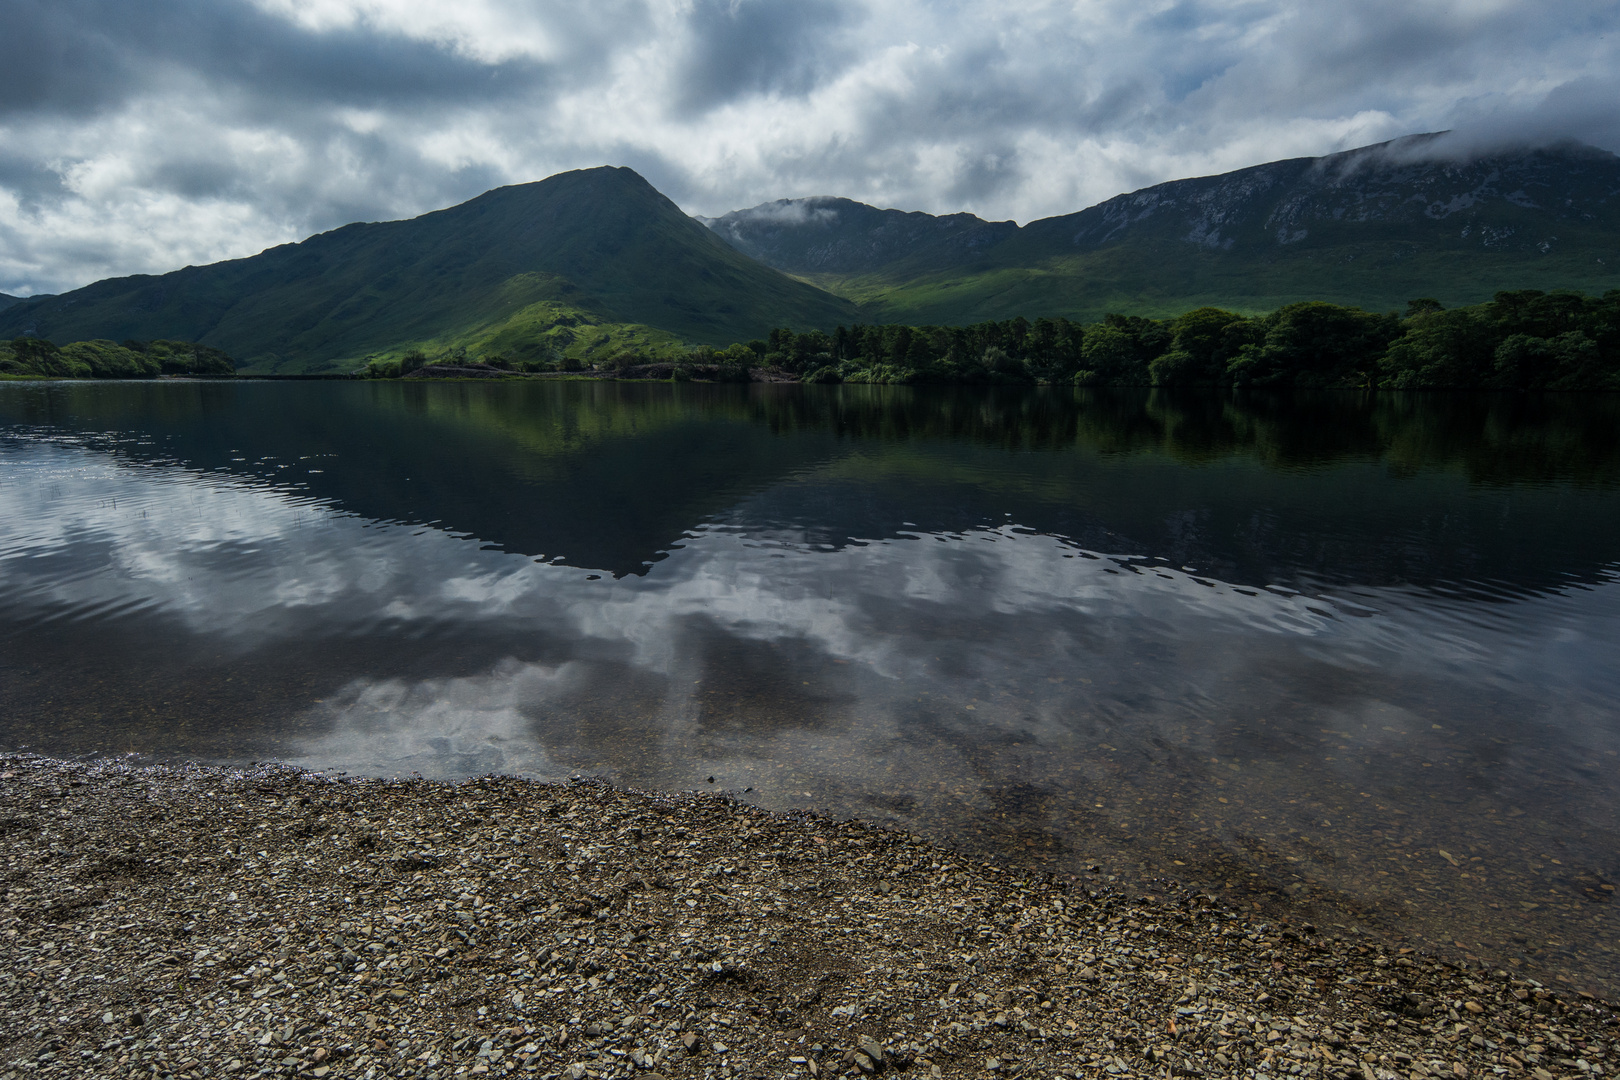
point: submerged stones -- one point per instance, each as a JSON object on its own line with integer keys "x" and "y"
{"x": 276, "y": 922}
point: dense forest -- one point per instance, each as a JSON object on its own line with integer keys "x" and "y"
{"x": 39, "y": 359}
{"x": 1524, "y": 340}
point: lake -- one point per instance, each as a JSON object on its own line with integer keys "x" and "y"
{"x": 1345, "y": 658}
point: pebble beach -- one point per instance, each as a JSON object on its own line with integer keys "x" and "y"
{"x": 172, "y": 922}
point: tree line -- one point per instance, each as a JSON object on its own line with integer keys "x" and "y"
{"x": 1520, "y": 340}
{"x": 1523, "y": 340}
{"x": 37, "y": 358}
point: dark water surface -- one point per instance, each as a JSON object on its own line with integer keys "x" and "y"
{"x": 1353, "y": 654}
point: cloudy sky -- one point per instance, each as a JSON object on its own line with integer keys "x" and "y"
{"x": 141, "y": 137}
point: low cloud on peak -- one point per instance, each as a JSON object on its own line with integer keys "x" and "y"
{"x": 140, "y": 139}
{"x": 791, "y": 212}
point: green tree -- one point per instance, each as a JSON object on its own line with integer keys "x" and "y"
{"x": 1570, "y": 361}
{"x": 1441, "y": 350}
{"x": 1316, "y": 344}
{"x": 1202, "y": 343}
{"x": 1116, "y": 352}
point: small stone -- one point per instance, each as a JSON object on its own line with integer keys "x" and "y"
{"x": 559, "y": 958}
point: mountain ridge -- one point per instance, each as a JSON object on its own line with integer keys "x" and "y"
{"x": 593, "y": 246}
{"x": 889, "y": 235}
{"x": 1371, "y": 226}
{"x": 594, "y": 262}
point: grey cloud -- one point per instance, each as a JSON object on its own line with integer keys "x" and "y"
{"x": 64, "y": 65}
{"x": 984, "y": 176}
{"x": 1582, "y": 109}
{"x": 741, "y": 47}
{"x": 1383, "y": 54}
{"x": 75, "y": 56}
{"x": 50, "y": 59}
{"x": 136, "y": 138}
{"x": 1186, "y": 78}
{"x": 196, "y": 177}
{"x": 28, "y": 177}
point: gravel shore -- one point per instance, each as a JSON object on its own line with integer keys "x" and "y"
{"x": 191, "y": 922}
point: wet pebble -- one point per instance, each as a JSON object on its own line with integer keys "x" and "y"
{"x": 201, "y": 922}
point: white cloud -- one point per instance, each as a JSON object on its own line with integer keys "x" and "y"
{"x": 191, "y": 132}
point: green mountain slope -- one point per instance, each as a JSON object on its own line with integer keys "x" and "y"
{"x": 1372, "y": 227}
{"x": 7, "y": 300}
{"x": 599, "y": 247}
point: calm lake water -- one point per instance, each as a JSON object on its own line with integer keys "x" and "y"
{"x": 1347, "y": 657}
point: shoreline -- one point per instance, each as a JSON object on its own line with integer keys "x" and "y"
{"x": 203, "y": 921}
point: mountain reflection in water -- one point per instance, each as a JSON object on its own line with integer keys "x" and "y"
{"x": 1352, "y": 653}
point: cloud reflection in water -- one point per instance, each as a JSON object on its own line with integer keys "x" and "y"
{"x": 993, "y": 687}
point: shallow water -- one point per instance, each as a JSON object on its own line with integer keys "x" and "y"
{"x": 1352, "y": 655}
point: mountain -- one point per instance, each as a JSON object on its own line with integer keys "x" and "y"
{"x": 1372, "y": 227}
{"x": 834, "y": 236}
{"x": 593, "y": 262}
{"x": 6, "y": 300}
{"x": 596, "y": 252}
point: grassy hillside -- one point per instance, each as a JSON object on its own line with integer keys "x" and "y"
{"x": 600, "y": 243}
{"x": 1159, "y": 279}
{"x": 7, "y": 300}
{"x": 513, "y": 325}
{"x": 1372, "y": 228}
